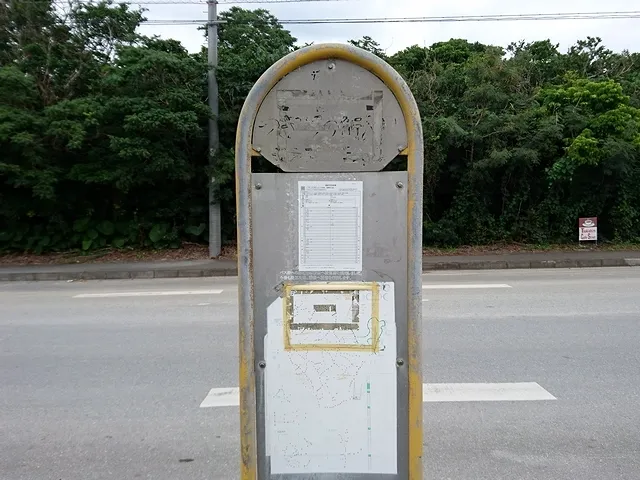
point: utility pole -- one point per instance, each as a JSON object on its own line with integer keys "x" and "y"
{"x": 215, "y": 221}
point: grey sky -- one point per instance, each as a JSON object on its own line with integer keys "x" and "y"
{"x": 616, "y": 34}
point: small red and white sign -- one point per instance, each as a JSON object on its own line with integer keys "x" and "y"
{"x": 588, "y": 228}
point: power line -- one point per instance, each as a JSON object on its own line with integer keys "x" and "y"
{"x": 445, "y": 19}
{"x": 615, "y": 15}
{"x": 239, "y": 2}
{"x": 472, "y": 18}
{"x": 204, "y": 2}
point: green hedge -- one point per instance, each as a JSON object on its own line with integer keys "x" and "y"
{"x": 103, "y": 132}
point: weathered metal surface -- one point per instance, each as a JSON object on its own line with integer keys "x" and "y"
{"x": 330, "y": 116}
{"x": 275, "y": 230}
{"x": 252, "y": 313}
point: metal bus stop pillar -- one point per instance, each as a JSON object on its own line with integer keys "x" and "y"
{"x": 330, "y": 265}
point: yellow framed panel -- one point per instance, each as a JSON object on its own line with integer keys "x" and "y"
{"x": 346, "y": 288}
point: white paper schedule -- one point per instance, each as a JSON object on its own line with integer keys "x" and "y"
{"x": 330, "y": 226}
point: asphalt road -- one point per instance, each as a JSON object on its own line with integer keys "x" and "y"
{"x": 111, "y": 387}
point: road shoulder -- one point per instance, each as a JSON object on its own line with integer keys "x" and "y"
{"x": 228, "y": 268}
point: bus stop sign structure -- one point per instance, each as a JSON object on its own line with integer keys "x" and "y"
{"x": 330, "y": 265}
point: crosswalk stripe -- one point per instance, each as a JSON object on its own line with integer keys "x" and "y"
{"x": 431, "y": 393}
{"x": 484, "y": 392}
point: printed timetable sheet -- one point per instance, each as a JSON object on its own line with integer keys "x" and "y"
{"x": 330, "y": 226}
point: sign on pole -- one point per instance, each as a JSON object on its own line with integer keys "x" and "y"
{"x": 330, "y": 264}
{"x": 588, "y": 229}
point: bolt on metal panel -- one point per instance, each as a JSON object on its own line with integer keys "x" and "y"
{"x": 330, "y": 116}
{"x": 330, "y": 271}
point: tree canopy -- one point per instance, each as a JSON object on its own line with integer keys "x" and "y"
{"x": 103, "y": 131}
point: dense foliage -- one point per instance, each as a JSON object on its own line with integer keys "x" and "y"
{"x": 103, "y": 131}
{"x": 521, "y": 142}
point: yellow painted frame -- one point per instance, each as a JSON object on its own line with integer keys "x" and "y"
{"x": 415, "y": 155}
{"x": 287, "y": 316}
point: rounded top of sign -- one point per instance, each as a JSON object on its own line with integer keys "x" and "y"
{"x": 332, "y": 108}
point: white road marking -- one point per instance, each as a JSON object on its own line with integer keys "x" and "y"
{"x": 431, "y": 393}
{"x": 436, "y": 286}
{"x": 148, "y": 294}
{"x": 463, "y": 286}
{"x": 222, "y": 397}
{"x": 484, "y": 392}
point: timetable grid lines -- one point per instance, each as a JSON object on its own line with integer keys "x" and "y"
{"x": 330, "y": 228}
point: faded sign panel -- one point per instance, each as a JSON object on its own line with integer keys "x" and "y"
{"x": 316, "y": 127}
{"x": 339, "y": 319}
{"x": 330, "y": 116}
{"x": 330, "y": 410}
{"x": 313, "y": 360}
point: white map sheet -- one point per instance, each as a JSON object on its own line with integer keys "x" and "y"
{"x": 332, "y": 411}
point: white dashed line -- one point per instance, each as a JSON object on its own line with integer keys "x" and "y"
{"x": 463, "y": 286}
{"x": 148, "y": 294}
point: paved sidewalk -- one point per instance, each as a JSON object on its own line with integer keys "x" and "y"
{"x": 220, "y": 268}
{"x": 535, "y": 260}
